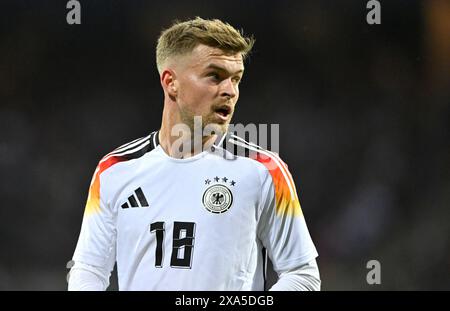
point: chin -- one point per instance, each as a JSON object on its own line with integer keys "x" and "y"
{"x": 216, "y": 128}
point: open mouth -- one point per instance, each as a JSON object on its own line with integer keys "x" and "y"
{"x": 223, "y": 112}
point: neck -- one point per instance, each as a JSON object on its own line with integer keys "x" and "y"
{"x": 185, "y": 142}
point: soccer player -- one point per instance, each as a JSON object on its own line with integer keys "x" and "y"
{"x": 179, "y": 212}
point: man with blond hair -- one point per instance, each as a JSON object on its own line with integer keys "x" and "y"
{"x": 178, "y": 210}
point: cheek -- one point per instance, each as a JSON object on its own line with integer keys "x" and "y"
{"x": 193, "y": 91}
{"x": 201, "y": 98}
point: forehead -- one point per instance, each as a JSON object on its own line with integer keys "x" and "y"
{"x": 203, "y": 56}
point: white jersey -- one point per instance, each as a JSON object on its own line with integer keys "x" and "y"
{"x": 201, "y": 223}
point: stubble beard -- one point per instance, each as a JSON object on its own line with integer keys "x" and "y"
{"x": 207, "y": 121}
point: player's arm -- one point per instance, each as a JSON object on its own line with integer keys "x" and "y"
{"x": 94, "y": 256}
{"x": 84, "y": 277}
{"x": 304, "y": 278}
{"x": 283, "y": 231}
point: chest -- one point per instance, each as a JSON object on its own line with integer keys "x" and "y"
{"x": 211, "y": 200}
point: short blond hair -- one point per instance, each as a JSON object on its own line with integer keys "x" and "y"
{"x": 183, "y": 37}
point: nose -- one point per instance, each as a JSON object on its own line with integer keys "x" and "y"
{"x": 229, "y": 89}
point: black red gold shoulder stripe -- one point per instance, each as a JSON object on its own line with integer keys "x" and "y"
{"x": 129, "y": 153}
{"x": 285, "y": 192}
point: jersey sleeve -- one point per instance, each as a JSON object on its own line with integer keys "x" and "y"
{"x": 97, "y": 240}
{"x": 282, "y": 228}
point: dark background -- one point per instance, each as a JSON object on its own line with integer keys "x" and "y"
{"x": 363, "y": 112}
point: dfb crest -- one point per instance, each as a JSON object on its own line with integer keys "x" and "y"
{"x": 217, "y": 198}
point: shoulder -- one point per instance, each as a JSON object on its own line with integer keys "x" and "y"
{"x": 129, "y": 151}
{"x": 132, "y": 150}
{"x": 267, "y": 159}
{"x": 269, "y": 162}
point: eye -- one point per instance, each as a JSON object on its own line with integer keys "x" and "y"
{"x": 236, "y": 79}
{"x": 214, "y": 75}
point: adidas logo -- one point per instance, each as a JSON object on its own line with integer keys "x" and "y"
{"x": 132, "y": 199}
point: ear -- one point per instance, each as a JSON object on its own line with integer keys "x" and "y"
{"x": 169, "y": 82}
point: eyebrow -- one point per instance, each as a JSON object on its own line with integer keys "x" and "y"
{"x": 220, "y": 68}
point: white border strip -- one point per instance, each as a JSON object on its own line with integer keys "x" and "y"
{"x": 154, "y": 138}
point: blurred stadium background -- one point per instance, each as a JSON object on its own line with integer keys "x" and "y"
{"x": 363, "y": 112}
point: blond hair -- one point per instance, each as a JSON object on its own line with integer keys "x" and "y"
{"x": 183, "y": 37}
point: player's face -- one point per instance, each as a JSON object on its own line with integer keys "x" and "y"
{"x": 208, "y": 86}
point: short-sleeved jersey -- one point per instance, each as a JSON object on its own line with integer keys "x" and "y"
{"x": 200, "y": 223}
